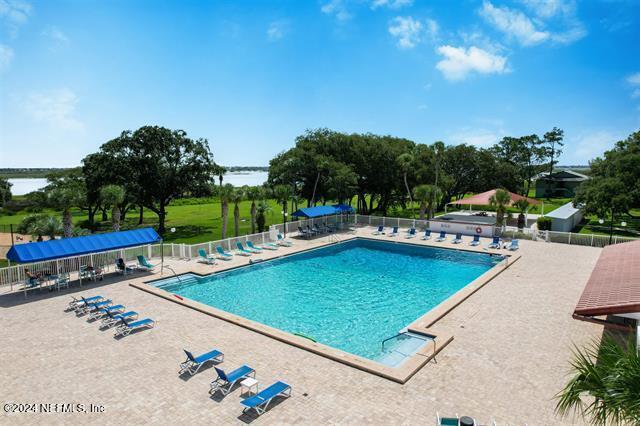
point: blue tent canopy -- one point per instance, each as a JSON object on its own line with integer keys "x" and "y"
{"x": 319, "y": 211}
{"x": 76, "y": 246}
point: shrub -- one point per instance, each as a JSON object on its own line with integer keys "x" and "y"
{"x": 544, "y": 223}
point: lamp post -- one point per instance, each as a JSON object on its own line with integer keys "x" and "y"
{"x": 284, "y": 222}
{"x": 172, "y": 230}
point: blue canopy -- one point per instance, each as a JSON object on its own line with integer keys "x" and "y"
{"x": 319, "y": 211}
{"x": 344, "y": 208}
{"x": 76, "y": 246}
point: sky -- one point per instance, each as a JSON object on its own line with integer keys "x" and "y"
{"x": 249, "y": 76}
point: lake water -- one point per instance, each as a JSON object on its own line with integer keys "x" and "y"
{"x": 24, "y": 186}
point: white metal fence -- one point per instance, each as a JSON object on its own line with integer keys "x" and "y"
{"x": 106, "y": 260}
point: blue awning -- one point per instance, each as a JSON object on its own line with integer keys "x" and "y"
{"x": 319, "y": 211}
{"x": 76, "y": 246}
{"x": 344, "y": 208}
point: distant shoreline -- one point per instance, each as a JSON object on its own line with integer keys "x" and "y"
{"x": 39, "y": 172}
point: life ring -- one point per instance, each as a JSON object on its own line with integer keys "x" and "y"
{"x": 478, "y": 230}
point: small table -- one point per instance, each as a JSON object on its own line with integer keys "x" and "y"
{"x": 247, "y": 384}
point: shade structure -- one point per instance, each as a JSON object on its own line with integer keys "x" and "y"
{"x": 614, "y": 284}
{"x": 319, "y": 211}
{"x": 76, "y": 246}
{"x": 483, "y": 199}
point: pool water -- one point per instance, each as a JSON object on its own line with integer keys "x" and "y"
{"x": 351, "y": 295}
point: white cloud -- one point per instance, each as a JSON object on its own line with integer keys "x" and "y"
{"x": 459, "y": 62}
{"x": 6, "y": 56}
{"x": 407, "y": 30}
{"x": 276, "y": 30}
{"x": 337, "y": 9}
{"x": 482, "y": 138}
{"x": 634, "y": 79}
{"x": 513, "y": 23}
{"x": 634, "y": 82}
{"x": 550, "y": 8}
{"x": 391, "y": 4}
{"x": 56, "y": 35}
{"x": 56, "y": 108}
{"x": 14, "y": 13}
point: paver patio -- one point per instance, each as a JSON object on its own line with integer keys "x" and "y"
{"x": 512, "y": 343}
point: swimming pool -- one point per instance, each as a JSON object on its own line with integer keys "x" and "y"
{"x": 351, "y": 295}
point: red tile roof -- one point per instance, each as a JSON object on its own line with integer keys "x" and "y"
{"x": 614, "y": 285}
{"x": 483, "y": 199}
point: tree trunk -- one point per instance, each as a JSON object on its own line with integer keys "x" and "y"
{"x": 253, "y": 217}
{"x": 423, "y": 208}
{"x": 236, "y": 219}
{"x": 104, "y": 214}
{"x": 115, "y": 218}
{"x": 406, "y": 185}
{"x": 67, "y": 223}
{"x": 162, "y": 214}
{"x": 141, "y": 217}
{"x": 315, "y": 186}
{"x": 225, "y": 213}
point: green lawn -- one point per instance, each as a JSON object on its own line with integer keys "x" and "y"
{"x": 194, "y": 223}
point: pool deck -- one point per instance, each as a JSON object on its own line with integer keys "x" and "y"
{"x": 511, "y": 345}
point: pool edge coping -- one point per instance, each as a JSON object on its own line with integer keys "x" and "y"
{"x": 421, "y": 325}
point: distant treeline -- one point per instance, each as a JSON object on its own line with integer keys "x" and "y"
{"x": 33, "y": 173}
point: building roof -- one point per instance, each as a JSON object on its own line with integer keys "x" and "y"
{"x": 614, "y": 284}
{"x": 483, "y": 199}
{"x": 564, "y": 176}
{"x": 563, "y": 212}
{"x": 76, "y": 246}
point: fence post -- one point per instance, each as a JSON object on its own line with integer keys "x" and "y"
{"x": 591, "y": 240}
{"x": 569, "y": 238}
{"x": 398, "y": 222}
{"x": 383, "y": 221}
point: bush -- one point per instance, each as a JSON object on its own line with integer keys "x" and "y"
{"x": 544, "y": 223}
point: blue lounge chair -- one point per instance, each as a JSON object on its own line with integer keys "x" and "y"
{"x": 144, "y": 265}
{"x": 224, "y": 255}
{"x": 93, "y": 306}
{"x": 316, "y": 229}
{"x": 205, "y": 258}
{"x": 448, "y": 421}
{"x": 303, "y": 232}
{"x": 283, "y": 242}
{"x": 312, "y": 232}
{"x": 394, "y": 232}
{"x": 75, "y": 303}
{"x": 253, "y": 248}
{"x": 379, "y": 231}
{"x": 125, "y": 327}
{"x": 192, "y": 364}
{"x": 457, "y": 239}
{"x": 241, "y": 250}
{"x": 476, "y": 240}
{"x": 224, "y": 383}
{"x": 411, "y": 233}
{"x": 268, "y": 246}
{"x": 427, "y": 235}
{"x": 62, "y": 281}
{"x": 261, "y": 400}
{"x": 513, "y": 245}
{"x": 99, "y": 313}
{"x": 112, "y": 319}
{"x": 495, "y": 244}
{"x": 442, "y": 237}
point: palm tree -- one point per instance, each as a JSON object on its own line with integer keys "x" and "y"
{"x": 405, "y": 162}
{"x": 438, "y": 149}
{"x": 605, "y": 384}
{"x": 225, "y": 192}
{"x": 113, "y": 195}
{"x": 281, "y": 194}
{"x": 522, "y": 205}
{"x": 237, "y": 196}
{"x": 427, "y": 195}
{"x": 65, "y": 198}
{"x": 261, "y": 211}
{"x": 38, "y": 225}
{"x": 500, "y": 200}
{"x": 253, "y": 193}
